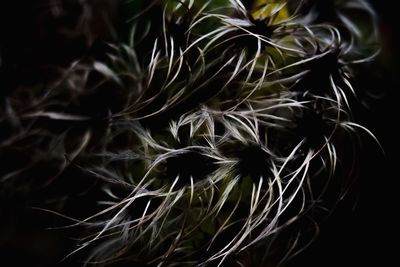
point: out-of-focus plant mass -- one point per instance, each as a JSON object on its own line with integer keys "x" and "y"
{"x": 201, "y": 133}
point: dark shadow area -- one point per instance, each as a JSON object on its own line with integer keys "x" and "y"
{"x": 361, "y": 233}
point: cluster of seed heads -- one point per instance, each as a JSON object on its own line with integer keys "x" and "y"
{"x": 211, "y": 128}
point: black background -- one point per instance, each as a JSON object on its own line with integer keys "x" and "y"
{"x": 366, "y": 234}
